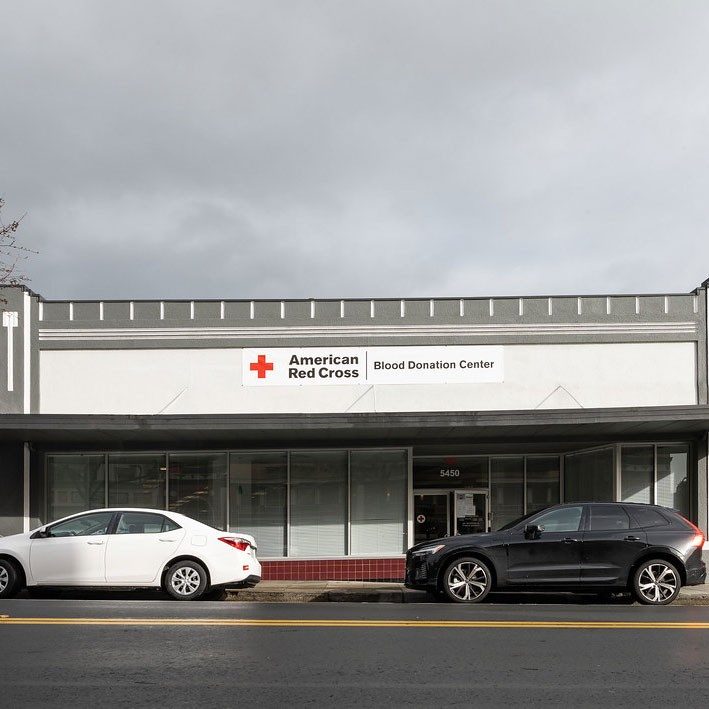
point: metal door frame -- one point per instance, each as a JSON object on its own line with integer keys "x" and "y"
{"x": 436, "y": 491}
{"x": 475, "y": 491}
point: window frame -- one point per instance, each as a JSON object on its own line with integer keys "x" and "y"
{"x": 162, "y": 529}
{"x": 551, "y": 510}
{"x": 47, "y": 531}
{"x": 618, "y": 505}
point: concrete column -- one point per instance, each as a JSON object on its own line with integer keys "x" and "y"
{"x": 11, "y": 488}
{"x": 26, "y": 525}
{"x": 703, "y": 484}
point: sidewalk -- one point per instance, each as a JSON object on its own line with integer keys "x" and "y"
{"x": 311, "y": 591}
{"x": 371, "y": 592}
{"x": 694, "y": 595}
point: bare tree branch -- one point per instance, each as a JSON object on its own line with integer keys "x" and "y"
{"x": 12, "y": 252}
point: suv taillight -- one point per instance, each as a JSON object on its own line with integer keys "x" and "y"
{"x": 240, "y": 544}
{"x": 698, "y": 539}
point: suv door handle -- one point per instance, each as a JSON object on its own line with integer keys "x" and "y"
{"x": 631, "y": 538}
{"x": 569, "y": 540}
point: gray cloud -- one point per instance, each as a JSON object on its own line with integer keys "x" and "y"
{"x": 296, "y": 149}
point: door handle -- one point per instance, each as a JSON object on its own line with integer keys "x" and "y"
{"x": 631, "y": 538}
{"x": 569, "y": 540}
{"x": 167, "y": 540}
{"x": 95, "y": 543}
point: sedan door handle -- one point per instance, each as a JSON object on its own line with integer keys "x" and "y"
{"x": 569, "y": 540}
{"x": 167, "y": 540}
{"x": 631, "y": 538}
{"x": 96, "y": 543}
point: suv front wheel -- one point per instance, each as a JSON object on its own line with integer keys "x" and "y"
{"x": 466, "y": 580}
{"x": 656, "y": 582}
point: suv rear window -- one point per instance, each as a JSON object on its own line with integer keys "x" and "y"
{"x": 647, "y": 517}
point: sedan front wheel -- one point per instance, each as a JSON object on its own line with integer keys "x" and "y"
{"x": 8, "y": 578}
{"x": 656, "y": 583}
{"x": 467, "y": 580}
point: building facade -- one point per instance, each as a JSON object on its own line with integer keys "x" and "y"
{"x": 340, "y": 432}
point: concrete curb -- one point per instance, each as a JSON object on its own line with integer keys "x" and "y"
{"x": 329, "y": 596}
{"x": 691, "y": 597}
{"x": 396, "y": 593}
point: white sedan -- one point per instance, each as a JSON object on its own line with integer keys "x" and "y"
{"x": 129, "y": 548}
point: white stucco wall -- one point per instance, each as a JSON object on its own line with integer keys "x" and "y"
{"x": 206, "y": 381}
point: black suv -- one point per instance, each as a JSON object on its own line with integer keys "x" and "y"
{"x": 584, "y": 547}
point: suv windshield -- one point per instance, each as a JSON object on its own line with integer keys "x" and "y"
{"x": 515, "y": 522}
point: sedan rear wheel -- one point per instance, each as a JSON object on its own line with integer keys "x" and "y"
{"x": 467, "y": 580}
{"x": 656, "y": 583}
{"x": 186, "y": 580}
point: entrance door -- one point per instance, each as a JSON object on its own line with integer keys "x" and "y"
{"x": 470, "y": 512}
{"x": 430, "y": 516}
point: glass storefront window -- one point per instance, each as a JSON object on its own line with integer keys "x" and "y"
{"x": 258, "y": 485}
{"x": 637, "y": 464}
{"x": 75, "y": 483}
{"x": 451, "y": 471}
{"x": 318, "y": 503}
{"x": 197, "y": 486}
{"x": 366, "y": 488}
{"x": 672, "y": 477}
{"x": 136, "y": 480}
{"x": 507, "y": 490}
{"x": 542, "y": 482}
{"x": 378, "y": 502}
{"x": 588, "y": 476}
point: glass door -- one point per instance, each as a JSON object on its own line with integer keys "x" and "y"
{"x": 431, "y": 512}
{"x": 470, "y": 511}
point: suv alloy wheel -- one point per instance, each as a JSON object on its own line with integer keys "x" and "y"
{"x": 656, "y": 582}
{"x": 467, "y": 580}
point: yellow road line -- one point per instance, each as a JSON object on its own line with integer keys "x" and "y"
{"x": 275, "y": 623}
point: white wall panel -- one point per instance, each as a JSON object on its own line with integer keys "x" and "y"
{"x": 201, "y": 381}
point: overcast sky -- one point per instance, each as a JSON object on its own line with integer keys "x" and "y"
{"x": 386, "y": 148}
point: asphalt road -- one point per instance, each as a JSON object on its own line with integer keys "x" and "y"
{"x": 62, "y": 652}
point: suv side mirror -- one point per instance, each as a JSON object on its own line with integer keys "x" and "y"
{"x": 533, "y": 531}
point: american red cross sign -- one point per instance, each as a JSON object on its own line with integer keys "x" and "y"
{"x": 261, "y": 366}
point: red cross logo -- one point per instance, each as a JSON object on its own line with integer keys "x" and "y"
{"x": 261, "y": 366}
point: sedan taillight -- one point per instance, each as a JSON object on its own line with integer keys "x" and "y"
{"x": 240, "y": 544}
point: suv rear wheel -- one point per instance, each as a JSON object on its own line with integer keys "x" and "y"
{"x": 656, "y": 582}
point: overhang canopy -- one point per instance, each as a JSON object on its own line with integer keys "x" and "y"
{"x": 419, "y": 429}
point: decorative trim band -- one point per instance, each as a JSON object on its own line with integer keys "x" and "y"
{"x": 359, "y": 331}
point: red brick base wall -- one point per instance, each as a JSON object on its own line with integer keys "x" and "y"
{"x": 334, "y": 570}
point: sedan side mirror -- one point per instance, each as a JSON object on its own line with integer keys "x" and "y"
{"x": 533, "y": 531}
{"x": 40, "y": 534}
